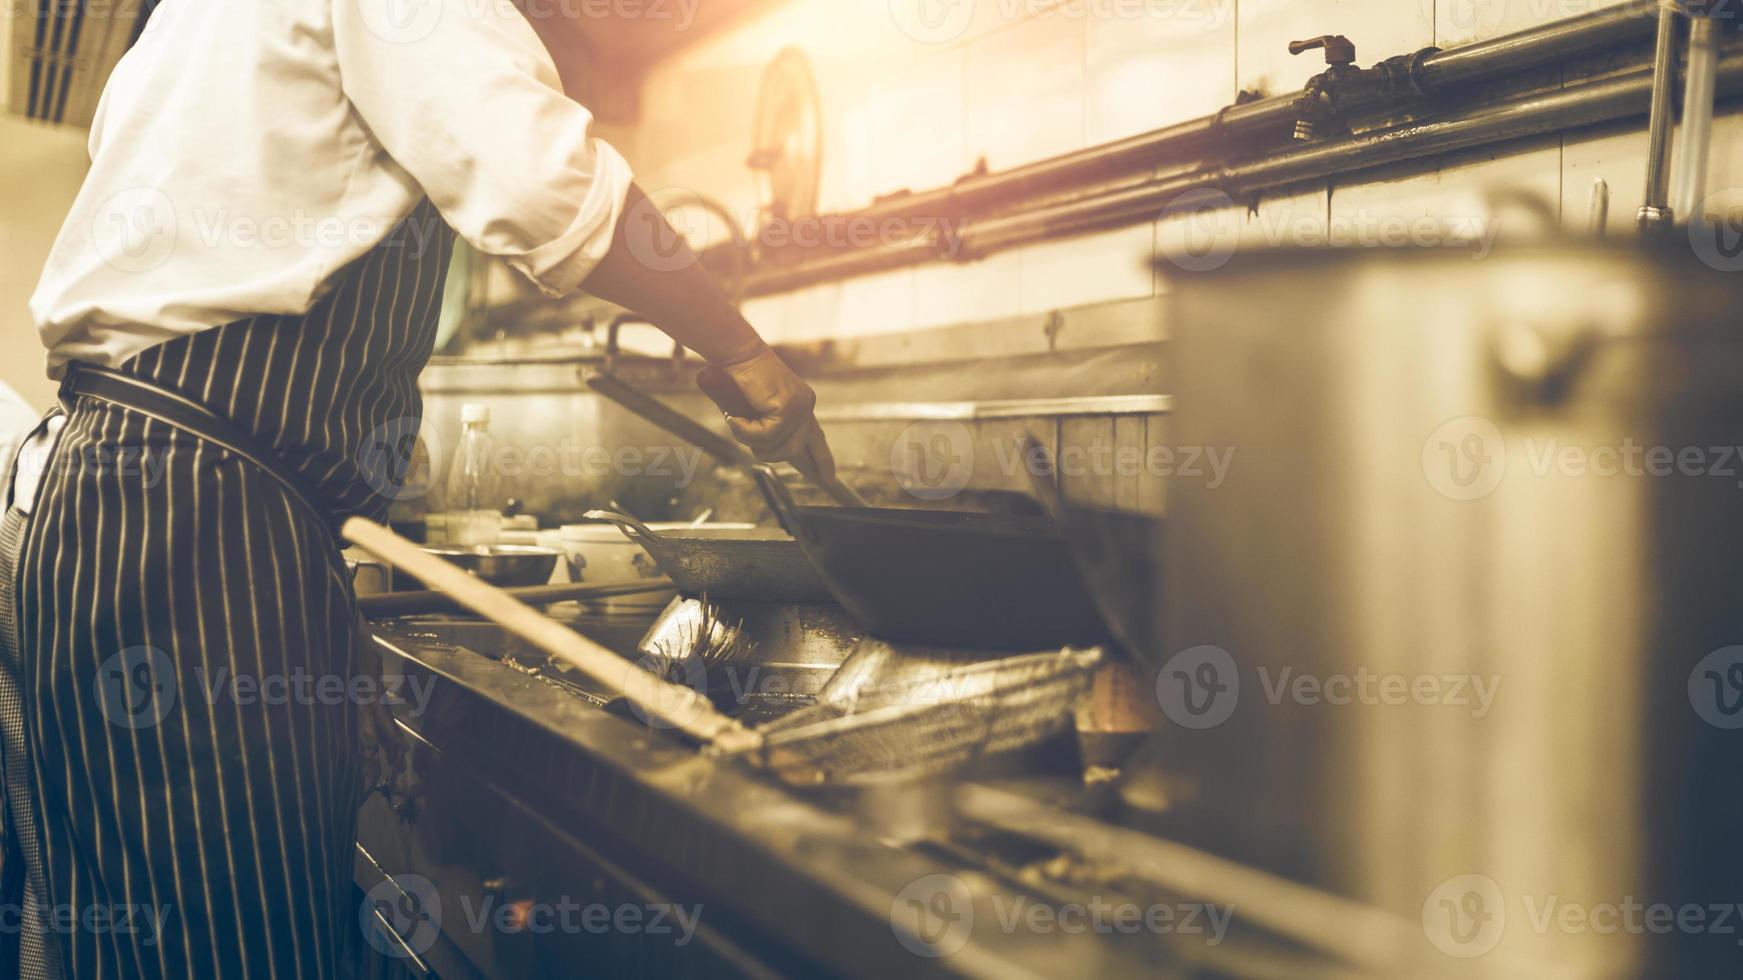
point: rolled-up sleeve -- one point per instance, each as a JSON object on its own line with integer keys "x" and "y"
{"x": 464, "y": 96}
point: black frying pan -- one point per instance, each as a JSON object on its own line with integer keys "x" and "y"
{"x": 941, "y": 578}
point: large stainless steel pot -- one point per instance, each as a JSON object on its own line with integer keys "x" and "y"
{"x": 1404, "y": 503}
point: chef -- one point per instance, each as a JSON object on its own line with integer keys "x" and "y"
{"x": 240, "y": 301}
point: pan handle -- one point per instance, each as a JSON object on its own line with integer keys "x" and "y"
{"x": 725, "y": 393}
{"x": 630, "y": 526}
{"x": 1042, "y": 480}
{"x": 725, "y": 450}
{"x": 780, "y": 500}
{"x": 671, "y": 420}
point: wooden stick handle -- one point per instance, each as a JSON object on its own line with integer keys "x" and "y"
{"x": 672, "y": 704}
{"x": 389, "y": 604}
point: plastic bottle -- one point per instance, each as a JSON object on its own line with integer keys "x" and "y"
{"x": 473, "y": 519}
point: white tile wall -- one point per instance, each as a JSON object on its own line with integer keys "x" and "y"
{"x": 1200, "y": 232}
{"x": 1025, "y": 93}
{"x": 908, "y": 132}
{"x": 1292, "y": 220}
{"x": 879, "y": 303}
{"x": 1460, "y": 21}
{"x": 987, "y": 289}
{"x": 1206, "y": 230}
{"x": 1075, "y": 271}
{"x": 1470, "y": 201}
{"x": 811, "y": 313}
{"x": 1379, "y": 28}
{"x": 1724, "y": 189}
{"x": 915, "y": 91}
{"x": 1162, "y": 64}
{"x": 768, "y": 314}
{"x": 959, "y": 23}
{"x": 1618, "y": 156}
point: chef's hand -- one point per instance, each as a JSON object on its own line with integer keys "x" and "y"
{"x": 770, "y": 410}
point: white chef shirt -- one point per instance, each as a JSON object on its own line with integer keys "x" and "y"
{"x": 17, "y": 418}
{"x": 245, "y": 151}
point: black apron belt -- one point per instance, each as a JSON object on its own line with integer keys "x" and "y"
{"x": 174, "y": 409}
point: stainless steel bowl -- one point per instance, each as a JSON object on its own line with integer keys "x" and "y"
{"x": 507, "y": 565}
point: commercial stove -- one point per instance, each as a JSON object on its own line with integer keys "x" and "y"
{"x": 536, "y": 792}
{"x": 1400, "y": 504}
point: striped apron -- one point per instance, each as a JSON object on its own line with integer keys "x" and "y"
{"x": 187, "y": 773}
